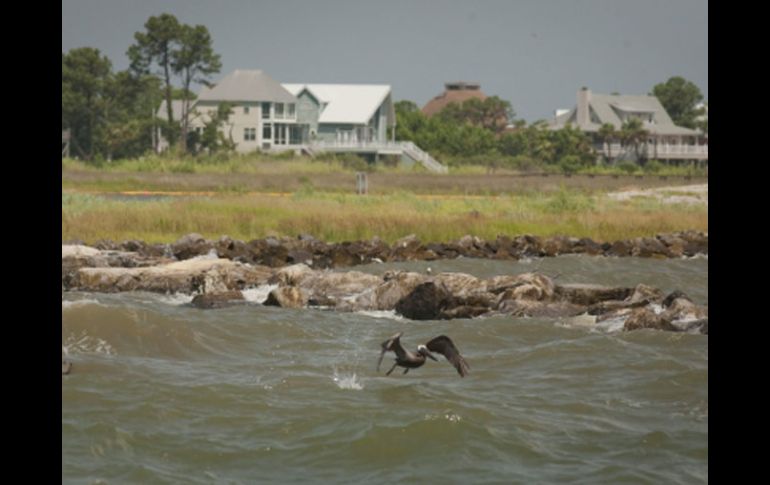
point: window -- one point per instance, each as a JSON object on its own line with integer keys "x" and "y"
{"x": 249, "y": 134}
{"x": 278, "y": 111}
{"x": 290, "y": 113}
{"x": 245, "y": 110}
{"x": 267, "y": 131}
{"x": 265, "y": 111}
{"x": 280, "y": 134}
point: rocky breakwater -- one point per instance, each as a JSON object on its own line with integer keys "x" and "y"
{"x": 217, "y": 281}
{"x": 457, "y": 295}
{"x": 279, "y": 252}
{"x": 89, "y": 269}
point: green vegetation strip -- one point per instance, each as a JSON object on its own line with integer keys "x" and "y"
{"x": 337, "y": 217}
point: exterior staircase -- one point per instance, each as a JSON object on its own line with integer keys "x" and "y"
{"x": 403, "y": 148}
{"x": 419, "y": 155}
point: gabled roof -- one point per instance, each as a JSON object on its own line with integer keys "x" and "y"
{"x": 607, "y": 107}
{"x": 247, "y": 85}
{"x": 345, "y": 103}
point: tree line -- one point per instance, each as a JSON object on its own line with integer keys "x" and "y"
{"x": 485, "y": 132}
{"x": 113, "y": 114}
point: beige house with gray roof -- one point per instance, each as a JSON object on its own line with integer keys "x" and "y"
{"x": 311, "y": 118}
{"x": 666, "y": 140}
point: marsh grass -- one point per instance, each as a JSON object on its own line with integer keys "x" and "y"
{"x": 329, "y": 163}
{"x": 338, "y": 217}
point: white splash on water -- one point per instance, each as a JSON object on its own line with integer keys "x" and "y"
{"x": 612, "y": 325}
{"x": 582, "y": 320}
{"x": 347, "y": 381}
{"x": 449, "y": 416}
{"x": 697, "y": 256}
{"x": 86, "y": 344}
{"x": 258, "y": 294}
{"x": 585, "y": 321}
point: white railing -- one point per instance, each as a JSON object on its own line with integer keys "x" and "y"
{"x": 662, "y": 149}
{"x": 679, "y": 149}
{"x": 321, "y": 144}
{"x": 406, "y": 147}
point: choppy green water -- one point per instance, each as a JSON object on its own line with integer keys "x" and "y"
{"x": 165, "y": 393}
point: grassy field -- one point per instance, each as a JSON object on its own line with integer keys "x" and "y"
{"x": 255, "y": 198}
{"x": 345, "y": 217}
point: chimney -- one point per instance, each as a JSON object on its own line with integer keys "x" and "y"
{"x": 583, "y": 101}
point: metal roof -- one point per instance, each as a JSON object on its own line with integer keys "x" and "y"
{"x": 345, "y": 103}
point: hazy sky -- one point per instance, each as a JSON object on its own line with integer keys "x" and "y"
{"x": 534, "y": 53}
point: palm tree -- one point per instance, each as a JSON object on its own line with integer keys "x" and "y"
{"x": 632, "y": 133}
{"x": 607, "y": 133}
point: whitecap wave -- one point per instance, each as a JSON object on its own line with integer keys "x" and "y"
{"x": 389, "y": 314}
{"x": 612, "y": 325}
{"x": 580, "y": 321}
{"x": 585, "y": 321}
{"x": 176, "y": 299}
{"x": 69, "y": 304}
{"x": 258, "y": 294}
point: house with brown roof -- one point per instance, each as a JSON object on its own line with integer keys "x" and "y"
{"x": 455, "y": 92}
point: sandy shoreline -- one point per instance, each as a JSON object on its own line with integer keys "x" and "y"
{"x": 682, "y": 194}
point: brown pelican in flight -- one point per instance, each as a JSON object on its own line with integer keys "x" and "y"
{"x": 410, "y": 360}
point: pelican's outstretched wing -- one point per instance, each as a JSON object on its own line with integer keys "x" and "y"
{"x": 394, "y": 344}
{"x": 444, "y": 345}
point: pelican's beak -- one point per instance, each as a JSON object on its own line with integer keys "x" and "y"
{"x": 430, "y": 355}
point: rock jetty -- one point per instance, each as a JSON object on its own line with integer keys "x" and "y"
{"x": 217, "y": 280}
{"x": 278, "y": 252}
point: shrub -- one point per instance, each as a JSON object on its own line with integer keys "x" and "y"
{"x": 567, "y": 201}
{"x": 570, "y": 164}
{"x": 653, "y": 166}
{"x": 628, "y": 167}
{"x": 524, "y": 163}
